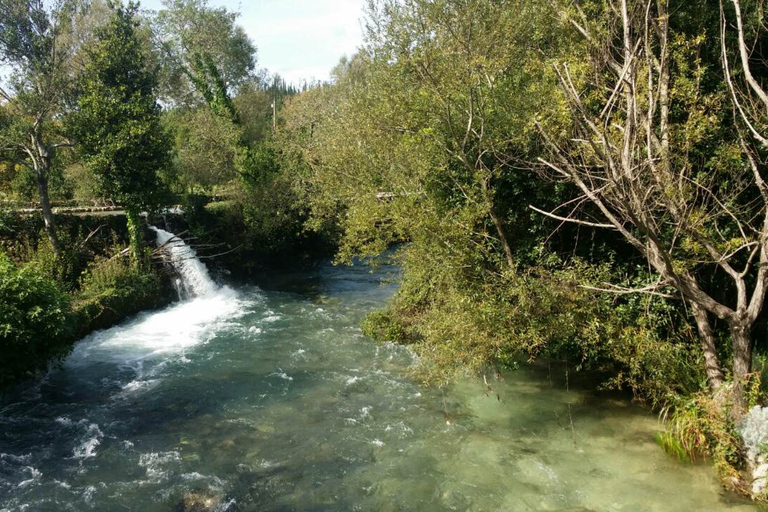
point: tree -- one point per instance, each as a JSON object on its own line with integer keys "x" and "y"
{"x": 31, "y": 44}
{"x": 206, "y": 147}
{"x": 428, "y": 116}
{"x": 204, "y": 52}
{"x": 208, "y": 56}
{"x": 117, "y": 120}
{"x": 657, "y": 155}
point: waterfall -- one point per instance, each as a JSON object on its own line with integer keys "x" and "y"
{"x": 194, "y": 279}
{"x": 144, "y": 343}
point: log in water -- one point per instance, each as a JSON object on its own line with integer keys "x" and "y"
{"x": 258, "y": 400}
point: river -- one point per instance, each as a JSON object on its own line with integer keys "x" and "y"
{"x": 266, "y": 399}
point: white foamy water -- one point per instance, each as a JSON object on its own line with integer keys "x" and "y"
{"x": 170, "y": 331}
{"x": 195, "y": 281}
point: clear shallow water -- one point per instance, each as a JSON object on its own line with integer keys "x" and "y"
{"x": 273, "y": 400}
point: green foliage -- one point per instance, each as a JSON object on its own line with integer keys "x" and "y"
{"x": 380, "y": 325}
{"x": 117, "y": 122}
{"x": 64, "y": 270}
{"x": 427, "y": 135}
{"x": 206, "y": 147}
{"x": 461, "y": 319}
{"x": 259, "y": 227}
{"x": 698, "y": 426}
{"x": 112, "y": 290}
{"x": 258, "y": 166}
{"x": 91, "y": 283}
{"x": 35, "y": 96}
{"x": 422, "y": 138}
{"x": 254, "y": 107}
{"x": 36, "y": 323}
{"x": 204, "y": 49}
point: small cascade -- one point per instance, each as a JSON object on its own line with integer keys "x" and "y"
{"x": 194, "y": 279}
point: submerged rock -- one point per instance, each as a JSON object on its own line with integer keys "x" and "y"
{"x": 199, "y": 502}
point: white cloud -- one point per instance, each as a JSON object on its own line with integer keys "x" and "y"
{"x": 303, "y": 39}
{"x": 299, "y": 39}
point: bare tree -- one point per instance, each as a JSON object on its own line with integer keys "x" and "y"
{"x": 625, "y": 158}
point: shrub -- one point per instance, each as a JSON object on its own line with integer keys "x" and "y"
{"x": 380, "y": 325}
{"x": 699, "y": 426}
{"x": 256, "y": 229}
{"x": 65, "y": 270}
{"x": 113, "y": 289}
{"x": 36, "y": 323}
{"x": 460, "y": 319}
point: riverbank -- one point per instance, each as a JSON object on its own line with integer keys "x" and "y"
{"x": 271, "y": 399}
{"x": 49, "y": 302}
{"x": 93, "y": 286}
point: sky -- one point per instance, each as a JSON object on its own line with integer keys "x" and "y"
{"x": 298, "y": 39}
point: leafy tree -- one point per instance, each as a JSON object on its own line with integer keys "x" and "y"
{"x": 253, "y": 104}
{"x": 31, "y": 43}
{"x": 654, "y": 149}
{"x": 427, "y": 136}
{"x": 205, "y": 53}
{"x": 206, "y": 148}
{"x": 117, "y": 121}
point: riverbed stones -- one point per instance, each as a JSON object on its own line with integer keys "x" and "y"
{"x": 754, "y": 433}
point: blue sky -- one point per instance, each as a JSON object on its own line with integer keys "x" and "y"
{"x": 299, "y": 39}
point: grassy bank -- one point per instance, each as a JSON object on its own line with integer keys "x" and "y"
{"x": 50, "y": 303}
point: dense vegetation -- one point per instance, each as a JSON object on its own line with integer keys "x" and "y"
{"x": 580, "y": 181}
{"x": 81, "y": 124}
{"x": 565, "y": 180}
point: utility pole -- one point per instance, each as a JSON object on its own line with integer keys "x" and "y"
{"x": 274, "y": 115}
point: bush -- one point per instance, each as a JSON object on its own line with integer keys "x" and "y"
{"x": 460, "y": 320}
{"x": 36, "y": 323}
{"x": 699, "y": 426}
{"x": 112, "y": 290}
{"x": 66, "y": 270}
{"x": 256, "y": 229}
{"x": 380, "y": 325}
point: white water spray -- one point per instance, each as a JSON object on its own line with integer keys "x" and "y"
{"x": 204, "y": 308}
{"x": 195, "y": 281}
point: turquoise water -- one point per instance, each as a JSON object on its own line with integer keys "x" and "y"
{"x": 272, "y": 399}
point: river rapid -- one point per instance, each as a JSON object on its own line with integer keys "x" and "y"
{"x": 267, "y": 399}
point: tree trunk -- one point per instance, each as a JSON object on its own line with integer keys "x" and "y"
{"x": 707, "y": 339}
{"x": 45, "y": 205}
{"x": 741, "y": 341}
{"x": 134, "y": 232}
{"x": 503, "y": 238}
{"x": 498, "y": 225}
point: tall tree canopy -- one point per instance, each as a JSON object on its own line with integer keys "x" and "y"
{"x": 205, "y": 53}
{"x": 33, "y": 45}
{"x": 117, "y": 120}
